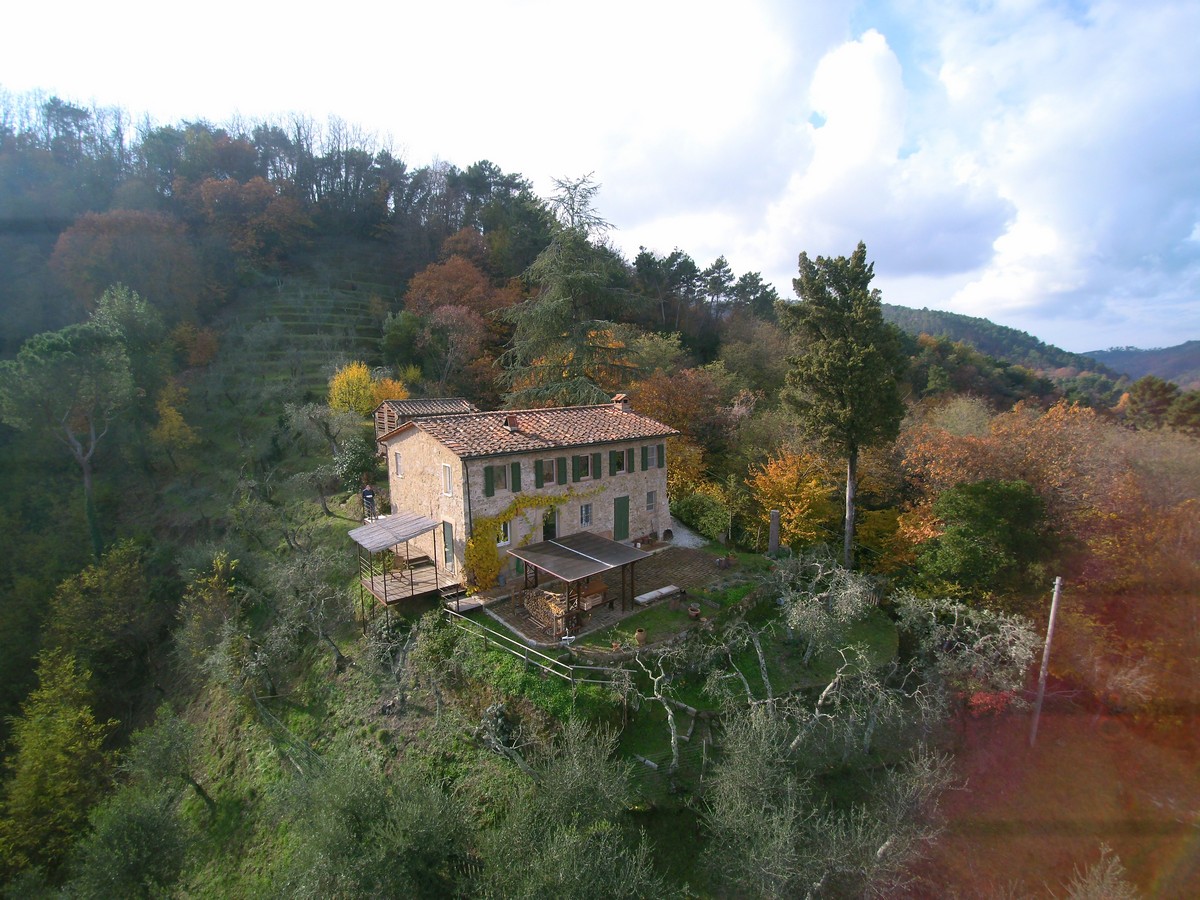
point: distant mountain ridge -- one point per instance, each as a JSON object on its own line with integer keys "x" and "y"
{"x": 1180, "y": 364}
{"x": 998, "y": 341}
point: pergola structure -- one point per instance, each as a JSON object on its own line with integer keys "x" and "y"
{"x": 577, "y": 560}
{"x": 383, "y": 572}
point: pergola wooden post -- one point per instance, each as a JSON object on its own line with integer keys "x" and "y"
{"x": 576, "y": 558}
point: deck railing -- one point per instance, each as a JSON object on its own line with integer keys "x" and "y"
{"x": 397, "y": 582}
{"x": 604, "y": 675}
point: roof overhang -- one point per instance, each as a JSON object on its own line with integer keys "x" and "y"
{"x": 388, "y": 531}
{"x": 578, "y": 556}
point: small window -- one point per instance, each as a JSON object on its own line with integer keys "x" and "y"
{"x": 651, "y": 499}
{"x": 447, "y": 481}
{"x": 505, "y": 536}
{"x": 399, "y": 466}
{"x": 583, "y": 467}
{"x": 501, "y": 476}
{"x": 616, "y": 461}
{"x": 651, "y": 457}
{"x": 548, "y": 476}
{"x": 585, "y": 514}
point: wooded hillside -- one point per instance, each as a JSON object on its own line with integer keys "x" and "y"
{"x": 197, "y": 699}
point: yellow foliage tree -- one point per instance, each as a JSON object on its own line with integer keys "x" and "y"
{"x": 351, "y": 389}
{"x": 802, "y": 486}
{"x": 685, "y": 468}
{"x": 172, "y": 432}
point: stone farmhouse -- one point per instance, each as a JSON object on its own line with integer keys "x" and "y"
{"x": 600, "y": 469}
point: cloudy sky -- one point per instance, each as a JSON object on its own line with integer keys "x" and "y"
{"x": 1035, "y": 163}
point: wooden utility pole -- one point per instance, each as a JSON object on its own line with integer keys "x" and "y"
{"x": 1037, "y": 707}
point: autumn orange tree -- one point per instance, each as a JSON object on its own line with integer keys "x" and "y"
{"x": 388, "y": 388}
{"x": 456, "y": 282}
{"x": 1099, "y": 484}
{"x": 694, "y": 401}
{"x": 260, "y": 223}
{"x": 150, "y": 252}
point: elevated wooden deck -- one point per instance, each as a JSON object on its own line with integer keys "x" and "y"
{"x": 420, "y": 579}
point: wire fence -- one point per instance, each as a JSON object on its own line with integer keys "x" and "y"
{"x": 575, "y": 674}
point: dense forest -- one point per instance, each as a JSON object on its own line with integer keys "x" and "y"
{"x": 195, "y": 325}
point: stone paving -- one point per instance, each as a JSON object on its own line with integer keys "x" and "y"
{"x": 684, "y": 567}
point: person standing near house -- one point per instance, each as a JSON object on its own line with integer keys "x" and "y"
{"x": 368, "y": 500}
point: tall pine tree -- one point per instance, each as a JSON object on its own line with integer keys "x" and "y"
{"x": 568, "y": 343}
{"x": 846, "y": 381}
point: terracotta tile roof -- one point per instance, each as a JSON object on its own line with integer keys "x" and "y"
{"x": 433, "y": 406}
{"x": 489, "y": 433}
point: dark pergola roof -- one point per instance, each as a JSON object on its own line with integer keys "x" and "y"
{"x": 578, "y": 556}
{"x": 388, "y": 531}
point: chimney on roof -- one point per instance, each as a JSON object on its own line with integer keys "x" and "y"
{"x": 621, "y": 402}
{"x": 510, "y": 422}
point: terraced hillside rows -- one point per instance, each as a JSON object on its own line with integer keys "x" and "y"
{"x": 298, "y": 331}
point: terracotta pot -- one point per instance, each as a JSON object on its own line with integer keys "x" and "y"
{"x": 640, "y": 637}
{"x": 694, "y": 611}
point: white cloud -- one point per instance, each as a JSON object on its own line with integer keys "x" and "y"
{"x": 1084, "y": 131}
{"x": 921, "y": 211}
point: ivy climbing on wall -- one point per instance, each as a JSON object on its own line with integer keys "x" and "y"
{"x": 482, "y": 560}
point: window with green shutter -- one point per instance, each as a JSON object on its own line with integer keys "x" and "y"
{"x": 581, "y": 468}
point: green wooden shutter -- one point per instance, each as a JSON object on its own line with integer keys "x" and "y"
{"x": 662, "y": 455}
{"x": 576, "y": 466}
{"x": 612, "y": 462}
{"x": 515, "y": 481}
{"x": 539, "y": 477}
{"x": 596, "y": 473}
{"x": 489, "y": 482}
{"x": 645, "y": 458}
{"x": 560, "y": 463}
{"x": 629, "y": 462}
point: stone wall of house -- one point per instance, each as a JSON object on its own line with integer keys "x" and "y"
{"x": 420, "y": 469}
{"x": 645, "y": 490}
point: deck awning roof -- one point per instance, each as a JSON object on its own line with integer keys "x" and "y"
{"x": 388, "y": 531}
{"x": 578, "y": 556}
